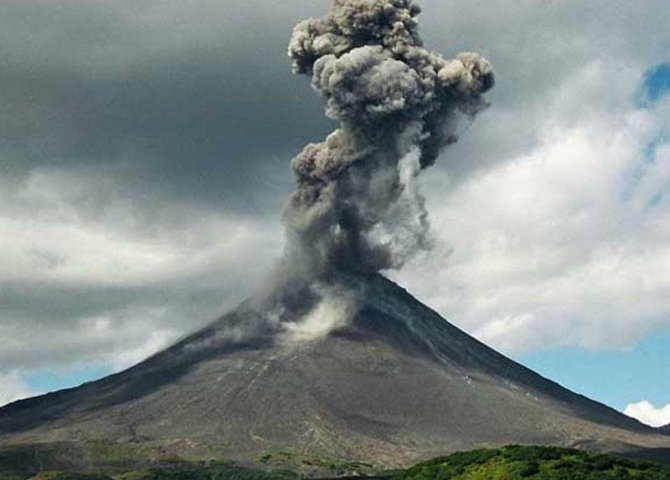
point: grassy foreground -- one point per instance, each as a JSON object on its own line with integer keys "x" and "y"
{"x": 509, "y": 463}
{"x": 538, "y": 463}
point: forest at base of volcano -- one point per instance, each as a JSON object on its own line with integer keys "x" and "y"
{"x": 507, "y": 463}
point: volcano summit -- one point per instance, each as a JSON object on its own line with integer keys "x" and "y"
{"x": 395, "y": 384}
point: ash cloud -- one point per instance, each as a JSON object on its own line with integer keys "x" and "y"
{"x": 357, "y": 207}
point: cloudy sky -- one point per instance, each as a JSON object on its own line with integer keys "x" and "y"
{"x": 144, "y": 149}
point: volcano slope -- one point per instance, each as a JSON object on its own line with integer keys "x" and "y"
{"x": 396, "y": 384}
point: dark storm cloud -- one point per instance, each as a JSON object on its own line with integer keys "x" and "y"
{"x": 163, "y": 90}
{"x": 97, "y": 319}
{"x": 129, "y": 123}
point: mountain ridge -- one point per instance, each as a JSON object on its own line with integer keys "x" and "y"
{"x": 397, "y": 384}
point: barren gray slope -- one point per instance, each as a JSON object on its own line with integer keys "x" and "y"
{"x": 398, "y": 384}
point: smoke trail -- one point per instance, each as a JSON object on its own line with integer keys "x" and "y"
{"x": 357, "y": 207}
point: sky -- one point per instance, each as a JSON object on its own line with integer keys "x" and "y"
{"x": 144, "y": 162}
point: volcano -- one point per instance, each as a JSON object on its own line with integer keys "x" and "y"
{"x": 395, "y": 384}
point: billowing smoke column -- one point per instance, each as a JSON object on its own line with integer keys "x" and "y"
{"x": 357, "y": 208}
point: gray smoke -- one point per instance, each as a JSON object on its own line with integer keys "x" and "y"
{"x": 357, "y": 208}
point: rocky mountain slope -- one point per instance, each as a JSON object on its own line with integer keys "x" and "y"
{"x": 394, "y": 385}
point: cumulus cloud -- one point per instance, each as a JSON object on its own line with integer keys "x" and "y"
{"x": 92, "y": 275}
{"x": 647, "y": 413}
{"x": 556, "y": 236}
{"x": 565, "y": 245}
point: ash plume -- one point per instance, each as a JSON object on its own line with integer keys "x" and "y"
{"x": 357, "y": 207}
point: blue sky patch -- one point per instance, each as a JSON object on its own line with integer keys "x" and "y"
{"x": 655, "y": 85}
{"x": 616, "y": 378}
{"x": 49, "y": 379}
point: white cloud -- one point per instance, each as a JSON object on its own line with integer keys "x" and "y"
{"x": 48, "y": 235}
{"x": 156, "y": 341}
{"x": 552, "y": 217}
{"x": 566, "y": 245}
{"x": 117, "y": 281}
{"x": 646, "y": 413}
{"x": 13, "y": 388}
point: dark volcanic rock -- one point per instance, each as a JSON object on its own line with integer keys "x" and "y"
{"x": 398, "y": 384}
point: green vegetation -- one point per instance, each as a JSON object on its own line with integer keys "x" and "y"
{"x": 305, "y": 462}
{"x": 509, "y": 463}
{"x": 210, "y": 471}
{"x": 68, "y": 476}
{"x": 533, "y": 463}
{"x": 101, "y": 451}
{"x": 4, "y": 476}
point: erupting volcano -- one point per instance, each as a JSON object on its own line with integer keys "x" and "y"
{"x": 329, "y": 355}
